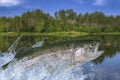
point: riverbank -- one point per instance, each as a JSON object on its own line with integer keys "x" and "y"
{"x": 72, "y": 34}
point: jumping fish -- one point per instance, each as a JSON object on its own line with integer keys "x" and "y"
{"x": 50, "y": 62}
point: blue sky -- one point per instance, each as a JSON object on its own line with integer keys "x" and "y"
{"x": 17, "y": 7}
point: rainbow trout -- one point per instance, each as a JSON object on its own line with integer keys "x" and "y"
{"x": 51, "y": 62}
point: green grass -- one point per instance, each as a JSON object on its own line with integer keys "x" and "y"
{"x": 106, "y": 33}
{"x": 8, "y": 34}
{"x": 71, "y": 34}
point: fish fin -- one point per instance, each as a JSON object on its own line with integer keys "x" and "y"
{"x": 12, "y": 48}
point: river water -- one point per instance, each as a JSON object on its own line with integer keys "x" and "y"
{"x": 105, "y": 67}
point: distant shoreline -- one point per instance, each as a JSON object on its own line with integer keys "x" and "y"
{"x": 71, "y": 34}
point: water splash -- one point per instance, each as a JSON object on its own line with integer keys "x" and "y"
{"x": 9, "y": 55}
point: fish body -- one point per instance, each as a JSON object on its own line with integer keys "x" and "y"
{"x": 52, "y": 61}
{"x": 63, "y": 49}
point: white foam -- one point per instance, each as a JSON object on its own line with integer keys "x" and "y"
{"x": 6, "y": 58}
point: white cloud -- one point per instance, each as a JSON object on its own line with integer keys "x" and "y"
{"x": 99, "y": 2}
{"x": 7, "y": 3}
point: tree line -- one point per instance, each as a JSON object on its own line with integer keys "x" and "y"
{"x": 62, "y": 20}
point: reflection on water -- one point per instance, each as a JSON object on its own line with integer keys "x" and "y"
{"x": 52, "y": 66}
